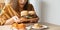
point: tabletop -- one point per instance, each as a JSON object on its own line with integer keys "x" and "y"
{"x": 50, "y": 27}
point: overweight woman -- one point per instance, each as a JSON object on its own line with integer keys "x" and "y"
{"x": 16, "y": 11}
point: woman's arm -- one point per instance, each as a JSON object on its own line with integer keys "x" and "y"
{"x": 12, "y": 20}
{"x": 33, "y": 20}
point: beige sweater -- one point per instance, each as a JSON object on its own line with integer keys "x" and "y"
{"x": 10, "y": 12}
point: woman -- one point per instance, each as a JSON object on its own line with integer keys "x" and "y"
{"x": 13, "y": 13}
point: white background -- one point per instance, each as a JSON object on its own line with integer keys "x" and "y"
{"x": 50, "y": 11}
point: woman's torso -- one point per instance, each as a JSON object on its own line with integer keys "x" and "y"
{"x": 12, "y": 11}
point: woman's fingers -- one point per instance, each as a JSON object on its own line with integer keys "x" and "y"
{"x": 16, "y": 19}
{"x": 9, "y": 22}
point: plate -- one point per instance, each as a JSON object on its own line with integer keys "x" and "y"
{"x": 31, "y": 27}
{"x": 43, "y": 27}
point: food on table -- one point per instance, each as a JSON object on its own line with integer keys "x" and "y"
{"x": 19, "y": 26}
{"x": 22, "y": 29}
{"x": 37, "y": 26}
{"x": 31, "y": 12}
{"x": 24, "y": 13}
{"x": 15, "y": 25}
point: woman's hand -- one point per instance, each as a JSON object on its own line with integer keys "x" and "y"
{"x": 16, "y": 19}
{"x": 29, "y": 20}
{"x": 12, "y": 20}
{"x": 9, "y": 21}
{"x": 22, "y": 19}
{"x": 33, "y": 19}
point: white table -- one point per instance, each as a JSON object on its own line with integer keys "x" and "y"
{"x": 6, "y": 27}
{"x": 51, "y": 27}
